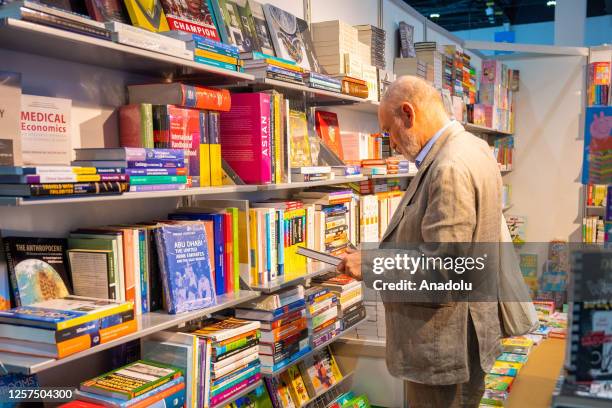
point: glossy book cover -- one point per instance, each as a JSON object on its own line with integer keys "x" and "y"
{"x": 185, "y": 267}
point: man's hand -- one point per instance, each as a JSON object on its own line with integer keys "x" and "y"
{"x": 351, "y": 264}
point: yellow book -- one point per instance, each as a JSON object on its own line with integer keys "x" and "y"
{"x": 253, "y": 245}
{"x": 83, "y": 170}
{"x": 216, "y": 167}
{"x": 517, "y": 341}
{"x": 507, "y": 364}
{"x": 284, "y": 65}
{"x": 147, "y": 14}
{"x": 295, "y": 383}
{"x": 335, "y": 369}
{"x": 204, "y": 165}
{"x": 278, "y": 136}
{"x": 214, "y": 56}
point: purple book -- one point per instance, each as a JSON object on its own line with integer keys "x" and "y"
{"x": 157, "y": 187}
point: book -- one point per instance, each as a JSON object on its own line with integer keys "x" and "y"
{"x": 406, "y": 34}
{"x": 498, "y": 382}
{"x": 318, "y": 372}
{"x": 130, "y": 154}
{"x": 277, "y": 300}
{"x": 10, "y": 106}
{"x": 291, "y": 37}
{"x": 5, "y": 285}
{"x": 258, "y": 398}
{"x": 235, "y": 20}
{"x": 93, "y": 273}
{"x": 246, "y": 138}
{"x": 63, "y": 189}
{"x": 169, "y": 395}
{"x": 107, "y": 10}
{"x": 264, "y": 40}
{"x": 64, "y": 313}
{"x": 300, "y": 154}
{"x": 191, "y": 16}
{"x": 329, "y": 131}
{"x": 45, "y": 130}
{"x": 185, "y": 268}
{"x": 223, "y": 329}
{"x": 132, "y": 380}
{"x": 278, "y": 390}
{"x": 147, "y": 14}
{"x": 136, "y": 125}
{"x": 188, "y": 96}
{"x": 37, "y": 269}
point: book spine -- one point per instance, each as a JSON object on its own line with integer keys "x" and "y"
{"x": 156, "y": 164}
{"x": 204, "y": 151}
{"x": 228, "y": 237}
{"x": 223, "y": 352}
{"x": 156, "y": 187}
{"x": 217, "y": 48}
{"x": 219, "y": 254}
{"x": 72, "y": 178}
{"x": 215, "y": 63}
{"x": 235, "y": 390}
{"x": 235, "y": 240}
{"x": 161, "y": 126}
{"x": 216, "y": 167}
{"x": 205, "y": 98}
{"x": 216, "y": 57}
{"x": 65, "y": 24}
{"x": 147, "y": 180}
{"x": 47, "y": 190}
{"x": 156, "y": 172}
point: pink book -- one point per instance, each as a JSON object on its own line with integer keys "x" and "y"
{"x": 234, "y": 390}
{"x": 245, "y": 137}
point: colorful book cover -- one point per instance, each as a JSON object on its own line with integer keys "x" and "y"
{"x": 37, "y": 269}
{"x": 10, "y": 104}
{"x": 300, "y": 155}
{"x": 169, "y": 394}
{"x": 45, "y": 130}
{"x": 297, "y": 388}
{"x": 223, "y": 329}
{"x": 258, "y": 398}
{"x": 184, "y": 126}
{"x": 234, "y": 16}
{"x": 279, "y": 392}
{"x": 5, "y": 286}
{"x": 264, "y": 40}
{"x": 498, "y": 382}
{"x": 291, "y": 38}
{"x": 329, "y": 131}
{"x": 205, "y": 165}
{"x": 107, "y": 10}
{"x": 147, "y": 14}
{"x": 192, "y": 16}
{"x": 245, "y": 137}
{"x": 185, "y": 268}
{"x": 597, "y": 156}
{"x": 214, "y": 132}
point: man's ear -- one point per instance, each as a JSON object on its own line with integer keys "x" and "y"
{"x": 407, "y": 115}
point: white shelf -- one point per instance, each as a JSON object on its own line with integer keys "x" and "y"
{"x": 363, "y": 107}
{"x": 306, "y": 184}
{"x": 52, "y": 42}
{"x": 148, "y": 323}
{"x": 238, "y": 395}
{"x": 199, "y": 191}
{"x": 483, "y": 129}
{"x": 269, "y": 373}
{"x": 313, "y": 95}
{"x": 353, "y": 341}
{"x": 313, "y": 269}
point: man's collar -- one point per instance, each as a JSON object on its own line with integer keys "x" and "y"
{"x": 423, "y": 153}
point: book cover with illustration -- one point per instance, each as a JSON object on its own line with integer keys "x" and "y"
{"x": 597, "y": 155}
{"x": 235, "y": 19}
{"x": 328, "y": 130}
{"x": 192, "y": 16}
{"x": 264, "y": 40}
{"x": 147, "y": 14}
{"x": 185, "y": 266}
{"x": 291, "y": 38}
{"x": 37, "y": 268}
{"x": 107, "y": 10}
{"x": 300, "y": 144}
{"x": 258, "y": 398}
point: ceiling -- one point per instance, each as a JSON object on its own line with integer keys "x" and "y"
{"x": 468, "y": 14}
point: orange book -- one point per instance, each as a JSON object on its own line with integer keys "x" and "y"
{"x": 129, "y": 271}
{"x": 270, "y": 336}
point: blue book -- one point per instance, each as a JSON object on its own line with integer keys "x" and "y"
{"x": 219, "y": 243}
{"x": 119, "y": 403}
{"x": 201, "y": 45}
{"x": 280, "y": 235}
{"x": 268, "y": 247}
{"x": 185, "y": 267}
{"x": 11, "y": 171}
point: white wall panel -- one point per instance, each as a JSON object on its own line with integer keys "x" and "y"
{"x": 392, "y": 15}
{"x": 350, "y": 11}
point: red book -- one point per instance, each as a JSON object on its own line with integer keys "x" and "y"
{"x": 136, "y": 125}
{"x": 245, "y": 137}
{"x": 228, "y": 255}
{"x": 188, "y": 96}
{"x": 329, "y": 131}
{"x": 80, "y": 404}
{"x": 193, "y": 17}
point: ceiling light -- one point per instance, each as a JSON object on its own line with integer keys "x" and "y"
{"x": 434, "y": 15}
{"x": 551, "y": 3}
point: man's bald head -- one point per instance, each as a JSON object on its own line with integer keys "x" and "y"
{"x": 415, "y": 91}
{"x": 411, "y": 111}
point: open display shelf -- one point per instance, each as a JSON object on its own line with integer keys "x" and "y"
{"x": 52, "y": 42}
{"x": 148, "y": 323}
{"x": 313, "y": 269}
{"x": 306, "y": 184}
{"x": 345, "y": 378}
{"x": 270, "y": 373}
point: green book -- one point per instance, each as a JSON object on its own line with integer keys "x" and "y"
{"x": 132, "y": 380}
{"x": 146, "y": 180}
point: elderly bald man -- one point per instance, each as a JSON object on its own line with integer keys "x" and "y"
{"x": 441, "y": 351}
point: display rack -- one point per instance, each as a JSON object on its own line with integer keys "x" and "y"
{"x": 240, "y": 394}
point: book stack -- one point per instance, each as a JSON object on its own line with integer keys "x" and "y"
{"x": 321, "y": 81}
{"x": 350, "y": 298}
{"x": 277, "y": 228}
{"x": 374, "y": 167}
{"x": 35, "y": 12}
{"x": 141, "y": 383}
{"x": 598, "y": 84}
{"x": 322, "y": 315}
{"x": 497, "y": 95}
{"x": 284, "y": 331}
{"x": 429, "y": 53}
{"x": 139, "y": 37}
{"x": 375, "y": 39}
{"x": 332, "y": 41}
{"x": 60, "y": 181}
{"x": 268, "y": 66}
{"x": 209, "y": 51}
{"x": 354, "y": 86}
{"x": 235, "y": 360}
{"x": 398, "y": 165}
{"x": 312, "y": 173}
{"x": 503, "y": 149}
{"x": 410, "y": 66}
{"x": 332, "y": 219}
{"x": 184, "y": 117}
{"x": 146, "y": 168}
{"x": 57, "y": 328}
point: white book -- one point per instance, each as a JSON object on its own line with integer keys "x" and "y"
{"x": 46, "y": 136}
{"x": 10, "y": 106}
{"x": 245, "y": 354}
{"x": 236, "y": 365}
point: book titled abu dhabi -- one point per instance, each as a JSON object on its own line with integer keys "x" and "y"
{"x": 185, "y": 267}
